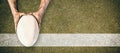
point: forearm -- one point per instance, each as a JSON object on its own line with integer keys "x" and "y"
{"x": 43, "y": 5}
{"x": 13, "y": 7}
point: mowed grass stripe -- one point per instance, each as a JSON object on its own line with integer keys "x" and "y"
{"x": 59, "y": 50}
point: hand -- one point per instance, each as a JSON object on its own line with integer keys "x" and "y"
{"x": 16, "y": 16}
{"x": 38, "y": 15}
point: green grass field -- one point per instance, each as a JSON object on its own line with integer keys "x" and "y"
{"x": 67, "y": 16}
{"x": 60, "y": 50}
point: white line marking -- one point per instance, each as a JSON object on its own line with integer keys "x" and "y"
{"x": 65, "y": 40}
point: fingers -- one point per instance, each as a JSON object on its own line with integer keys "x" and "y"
{"x": 15, "y": 27}
{"x": 30, "y": 13}
{"x": 16, "y": 18}
{"x": 21, "y": 14}
{"x": 37, "y": 16}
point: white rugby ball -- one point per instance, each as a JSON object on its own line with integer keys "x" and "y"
{"x": 27, "y": 30}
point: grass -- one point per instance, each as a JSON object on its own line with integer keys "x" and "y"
{"x": 59, "y": 50}
{"x": 67, "y": 16}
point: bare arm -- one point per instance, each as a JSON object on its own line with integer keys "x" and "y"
{"x": 38, "y": 14}
{"x": 15, "y": 13}
{"x": 44, "y": 4}
{"x": 13, "y": 6}
{"x": 41, "y": 10}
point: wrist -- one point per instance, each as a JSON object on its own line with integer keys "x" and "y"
{"x": 15, "y": 12}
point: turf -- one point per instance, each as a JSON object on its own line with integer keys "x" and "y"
{"x": 68, "y": 16}
{"x": 59, "y": 50}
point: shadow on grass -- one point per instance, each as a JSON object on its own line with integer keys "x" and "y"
{"x": 1, "y": 1}
{"x": 117, "y": 8}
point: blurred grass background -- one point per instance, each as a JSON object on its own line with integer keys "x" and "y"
{"x": 67, "y": 16}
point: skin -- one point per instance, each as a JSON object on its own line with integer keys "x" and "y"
{"x": 38, "y": 14}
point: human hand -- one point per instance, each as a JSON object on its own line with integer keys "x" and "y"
{"x": 16, "y": 17}
{"x": 38, "y": 15}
